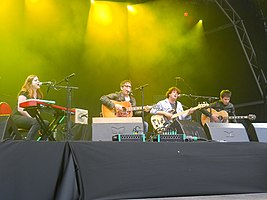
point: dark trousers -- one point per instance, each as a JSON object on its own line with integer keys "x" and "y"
{"x": 27, "y": 123}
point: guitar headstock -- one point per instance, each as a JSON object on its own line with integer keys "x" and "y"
{"x": 251, "y": 117}
{"x": 202, "y": 105}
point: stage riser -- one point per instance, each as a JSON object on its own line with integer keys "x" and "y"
{"x": 129, "y": 170}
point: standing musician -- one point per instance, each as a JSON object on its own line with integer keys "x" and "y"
{"x": 223, "y": 104}
{"x": 122, "y": 96}
{"x": 170, "y": 106}
{"x": 30, "y": 90}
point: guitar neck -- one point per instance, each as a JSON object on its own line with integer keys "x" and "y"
{"x": 186, "y": 111}
{"x": 238, "y": 117}
{"x": 179, "y": 114}
{"x": 138, "y": 108}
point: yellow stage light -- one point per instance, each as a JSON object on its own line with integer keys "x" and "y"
{"x": 130, "y": 8}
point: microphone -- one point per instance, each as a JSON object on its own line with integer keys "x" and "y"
{"x": 179, "y": 78}
{"x": 46, "y": 83}
{"x": 69, "y": 76}
{"x": 141, "y": 87}
{"x": 183, "y": 95}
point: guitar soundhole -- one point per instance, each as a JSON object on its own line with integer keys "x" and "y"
{"x": 222, "y": 119}
{"x": 123, "y": 113}
{"x": 155, "y": 123}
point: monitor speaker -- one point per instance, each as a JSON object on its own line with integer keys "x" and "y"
{"x": 104, "y": 128}
{"x": 188, "y": 128}
{"x": 226, "y": 132}
{"x": 258, "y": 132}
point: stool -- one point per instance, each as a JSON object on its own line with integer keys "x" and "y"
{"x": 5, "y": 109}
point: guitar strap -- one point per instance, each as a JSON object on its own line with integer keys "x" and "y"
{"x": 174, "y": 107}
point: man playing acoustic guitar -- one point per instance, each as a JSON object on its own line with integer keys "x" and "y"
{"x": 223, "y": 104}
{"x": 122, "y": 104}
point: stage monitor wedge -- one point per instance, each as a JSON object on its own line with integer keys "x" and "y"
{"x": 258, "y": 132}
{"x": 189, "y": 128}
{"x": 226, "y": 132}
{"x": 104, "y": 128}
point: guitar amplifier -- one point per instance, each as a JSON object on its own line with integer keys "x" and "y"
{"x": 129, "y": 137}
{"x": 104, "y": 128}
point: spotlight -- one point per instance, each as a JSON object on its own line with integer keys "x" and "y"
{"x": 186, "y": 14}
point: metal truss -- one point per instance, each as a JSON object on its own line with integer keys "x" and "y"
{"x": 246, "y": 45}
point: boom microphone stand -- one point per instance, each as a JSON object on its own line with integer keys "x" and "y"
{"x": 68, "y": 107}
{"x": 184, "y": 82}
{"x": 209, "y": 98}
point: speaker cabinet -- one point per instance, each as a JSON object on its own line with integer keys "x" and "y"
{"x": 104, "y": 128}
{"x": 258, "y": 132}
{"x": 226, "y": 132}
{"x": 188, "y": 128}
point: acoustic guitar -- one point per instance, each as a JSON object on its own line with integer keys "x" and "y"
{"x": 223, "y": 116}
{"x": 160, "y": 121}
{"x": 127, "y": 109}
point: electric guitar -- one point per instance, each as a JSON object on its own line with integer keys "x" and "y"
{"x": 127, "y": 109}
{"x": 160, "y": 121}
{"x": 223, "y": 116}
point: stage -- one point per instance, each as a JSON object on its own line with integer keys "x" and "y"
{"x": 256, "y": 196}
{"x": 130, "y": 170}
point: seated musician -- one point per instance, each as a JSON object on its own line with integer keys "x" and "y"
{"x": 123, "y": 96}
{"x": 170, "y": 106}
{"x": 22, "y": 119}
{"x": 223, "y": 104}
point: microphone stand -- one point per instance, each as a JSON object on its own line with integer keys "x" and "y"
{"x": 141, "y": 88}
{"x": 203, "y": 97}
{"x": 185, "y": 83}
{"x": 68, "y": 107}
{"x": 210, "y": 99}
